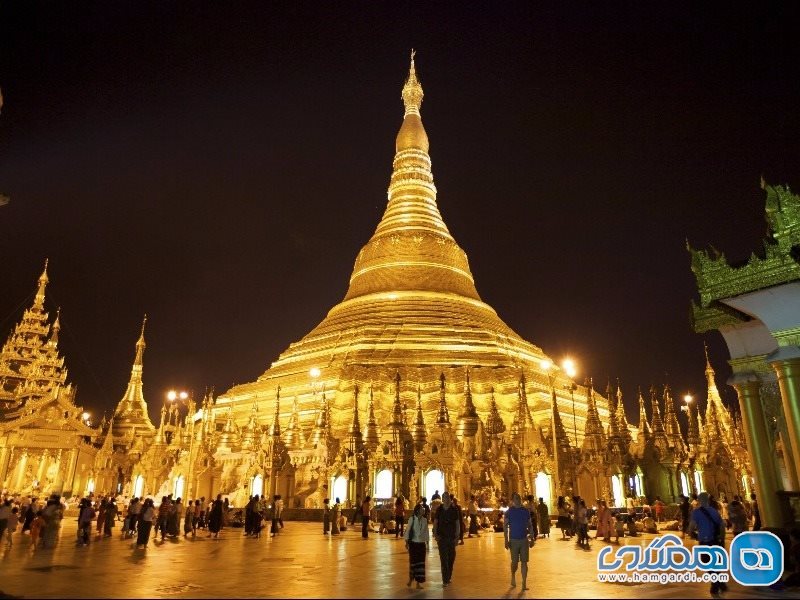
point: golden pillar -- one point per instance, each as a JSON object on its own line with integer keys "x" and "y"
{"x": 788, "y": 372}
{"x": 758, "y": 443}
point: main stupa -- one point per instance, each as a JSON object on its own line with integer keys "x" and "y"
{"x": 411, "y": 309}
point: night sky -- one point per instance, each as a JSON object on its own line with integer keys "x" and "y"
{"x": 219, "y": 167}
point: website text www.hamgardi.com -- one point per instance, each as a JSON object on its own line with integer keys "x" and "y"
{"x": 690, "y": 577}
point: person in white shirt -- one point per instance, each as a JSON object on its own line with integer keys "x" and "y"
{"x": 417, "y": 538}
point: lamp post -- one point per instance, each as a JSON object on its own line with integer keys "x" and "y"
{"x": 547, "y": 367}
{"x": 175, "y": 397}
{"x": 569, "y": 368}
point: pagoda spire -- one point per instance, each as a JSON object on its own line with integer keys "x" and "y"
{"x": 613, "y": 424}
{"x": 715, "y": 409}
{"x": 293, "y": 437}
{"x": 494, "y": 422}
{"x": 644, "y": 426}
{"x": 621, "y": 418}
{"x": 56, "y": 328}
{"x": 443, "y": 416}
{"x": 468, "y": 417}
{"x": 559, "y": 434}
{"x": 38, "y": 301}
{"x": 412, "y": 90}
{"x": 423, "y": 256}
{"x": 322, "y": 425}
{"x": 420, "y": 433}
{"x": 275, "y": 428}
{"x": 593, "y": 438}
{"x": 371, "y": 437}
{"x": 657, "y": 424}
{"x": 131, "y": 412}
{"x": 672, "y": 427}
{"x": 355, "y": 440}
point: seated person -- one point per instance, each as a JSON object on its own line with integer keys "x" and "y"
{"x": 632, "y": 530}
{"x": 485, "y": 523}
{"x": 498, "y": 524}
{"x": 342, "y": 522}
{"x": 649, "y": 524}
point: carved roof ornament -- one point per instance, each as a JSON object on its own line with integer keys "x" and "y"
{"x": 494, "y": 422}
{"x": 420, "y": 433}
{"x": 443, "y": 415}
{"x": 371, "y": 437}
{"x": 778, "y": 263}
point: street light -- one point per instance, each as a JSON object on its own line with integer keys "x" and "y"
{"x": 314, "y": 372}
{"x": 688, "y": 400}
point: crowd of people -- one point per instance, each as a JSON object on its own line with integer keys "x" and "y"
{"x": 701, "y": 517}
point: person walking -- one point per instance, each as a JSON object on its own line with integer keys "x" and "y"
{"x": 85, "y": 519}
{"x": 146, "y": 517}
{"x": 517, "y": 529}
{"x": 215, "y": 517}
{"x": 710, "y": 530}
{"x": 11, "y": 524}
{"x": 564, "y": 522}
{"x": 335, "y": 512}
{"x": 473, "y": 517}
{"x": 326, "y": 516}
{"x": 417, "y": 538}
{"x": 188, "y": 521}
{"x": 685, "y": 509}
{"x": 659, "y": 509}
{"x": 604, "y": 523}
{"x": 446, "y": 531}
{"x": 366, "y": 510}
{"x": 737, "y": 516}
{"x": 399, "y": 516}
{"x": 110, "y": 517}
{"x": 543, "y": 514}
{"x": 756, "y": 512}
{"x": 52, "y": 513}
{"x": 5, "y": 513}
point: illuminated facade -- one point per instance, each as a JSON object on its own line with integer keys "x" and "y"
{"x": 755, "y": 308}
{"x": 411, "y": 384}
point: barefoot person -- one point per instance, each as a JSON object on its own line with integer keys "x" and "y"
{"x": 446, "y": 530}
{"x": 516, "y": 531}
{"x": 416, "y": 536}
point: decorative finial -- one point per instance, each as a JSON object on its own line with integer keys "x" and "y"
{"x": 412, "y": 90}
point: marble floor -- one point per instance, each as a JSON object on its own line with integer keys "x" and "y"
{"x": 301, "y": 563}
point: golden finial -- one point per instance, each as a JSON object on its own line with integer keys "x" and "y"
{"x": 43, "y": 280}
{"x": 412, "y": 90}
{"x": 140, "y": 345}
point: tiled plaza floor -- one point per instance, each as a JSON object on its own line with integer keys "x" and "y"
{"x": 301, "y": 563}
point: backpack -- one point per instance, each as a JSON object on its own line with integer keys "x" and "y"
{"x": 719, "y": 527}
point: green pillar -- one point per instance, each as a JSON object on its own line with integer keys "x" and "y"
{"x": 788, "y": 372}
{"x": 758, "y": 443}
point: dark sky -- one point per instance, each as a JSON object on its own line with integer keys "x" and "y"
{"x": 219, "y": 167}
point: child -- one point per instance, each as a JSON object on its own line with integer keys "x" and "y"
{"x": 11, "y": 526}
{"x": 619, "y": 528}
{"x": 36, "y": 529}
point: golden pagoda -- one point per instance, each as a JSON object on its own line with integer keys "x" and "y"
{"x": 411, "y": 314}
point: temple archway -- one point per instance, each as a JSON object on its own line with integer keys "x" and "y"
{"x": 617, "y": 491}
{"x": 180, "y": 482}
{"x": 434, "y": 480}
{"x": 257, "y": 485}
{"x": 384, "y": 487}
{"x": 340, "y": 489}
{"x": 686, "y": 490}
{"x": 138, "y": 487}
{"x": 543, "y": 486}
